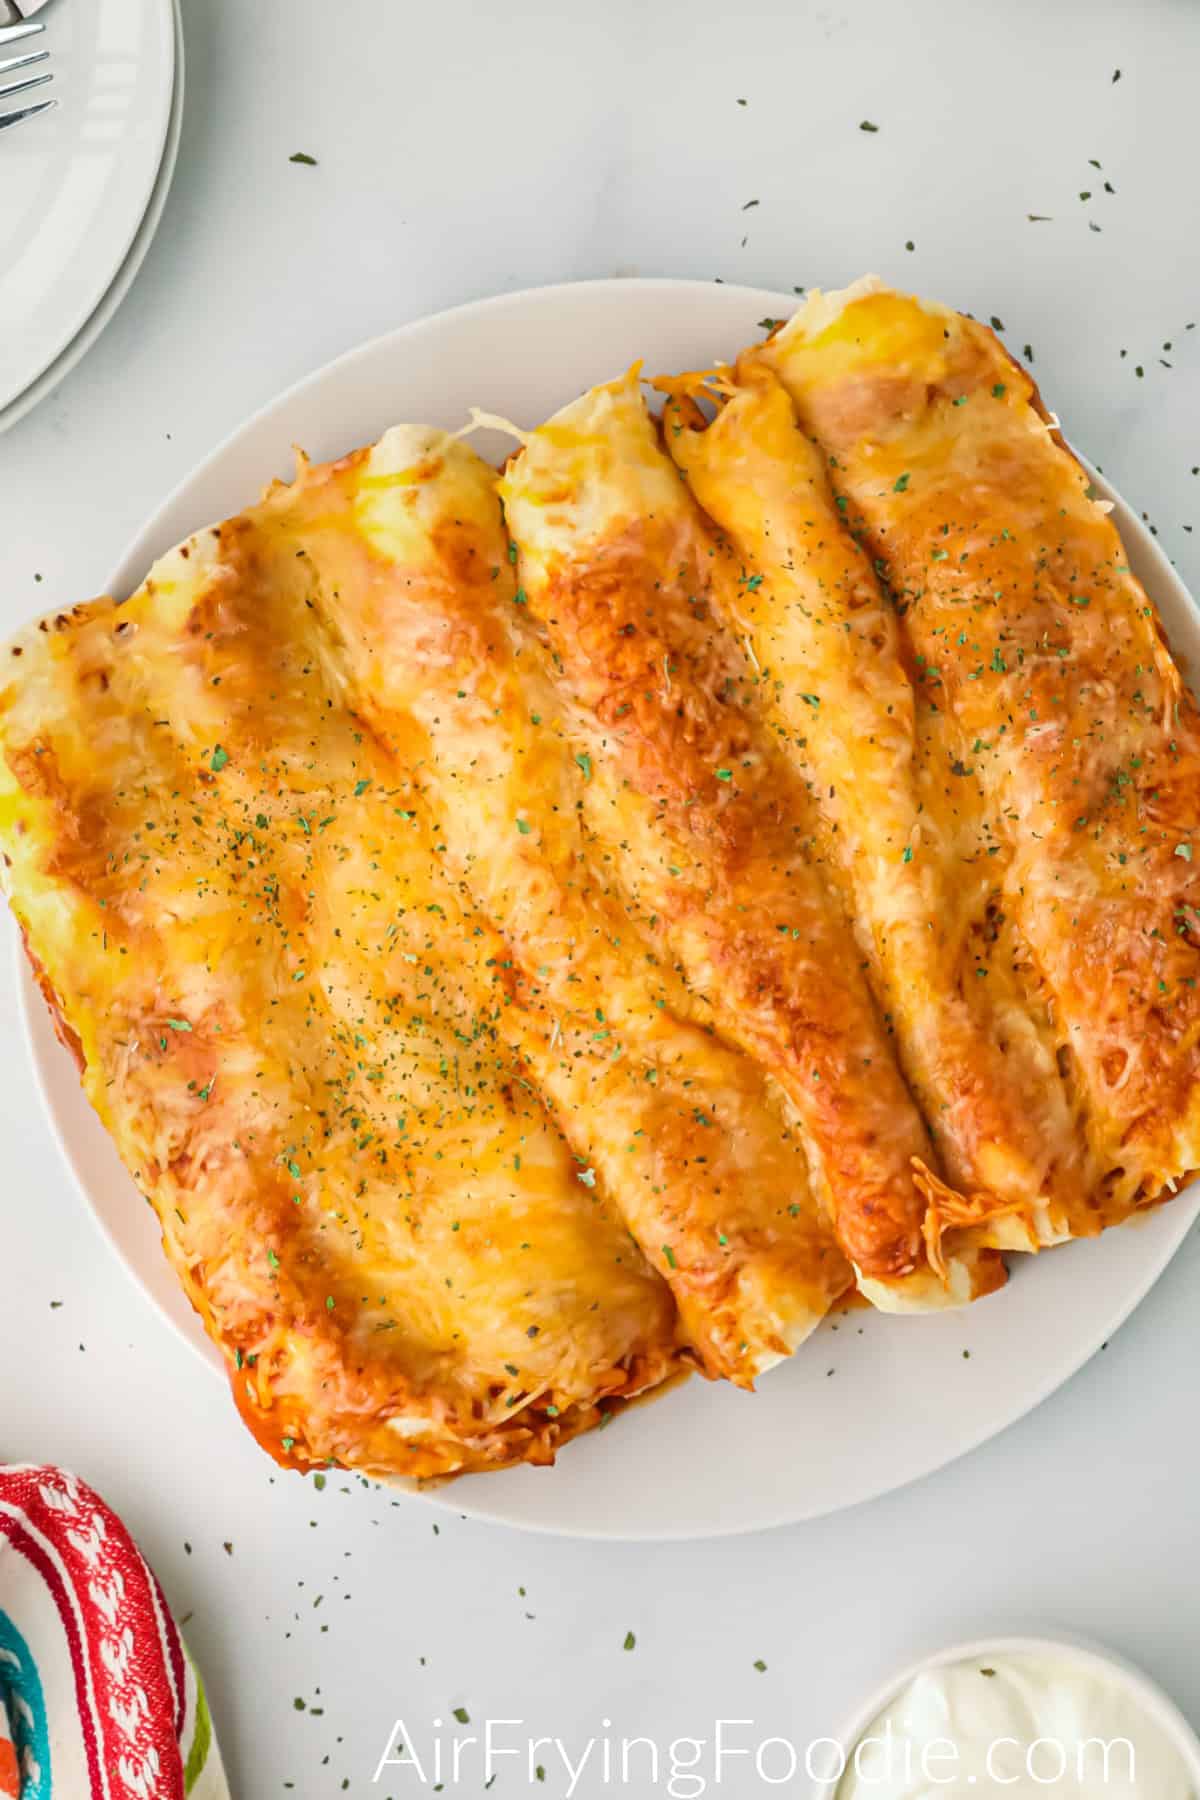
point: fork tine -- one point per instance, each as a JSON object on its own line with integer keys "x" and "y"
{"x": 10, "y": 33}
{"x": 21, "y": 62}
{"x": 21, "y": 87}
{"x": 26, "y": 112}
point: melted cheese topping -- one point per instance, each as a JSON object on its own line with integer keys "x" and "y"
{"x": 502, "y": 962}
{"x": 709, "y": 829}
{"x": 413, "y": 569}
{"x": 812, "y": 616}
{"x": 290, "y": 1021}
{"x": 1048, "y": 691}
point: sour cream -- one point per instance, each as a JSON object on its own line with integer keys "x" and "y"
{"x": 1019, "y": 1726}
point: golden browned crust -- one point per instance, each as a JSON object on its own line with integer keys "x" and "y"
{"x": 1042, "y": 673}
{"x": 286, "y": 1016}
{"x": 711, "y": 829}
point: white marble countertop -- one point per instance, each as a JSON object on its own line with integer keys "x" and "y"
{"x": 462, "y": 150}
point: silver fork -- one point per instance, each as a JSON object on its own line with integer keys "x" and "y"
{"x": 10, "y": 34}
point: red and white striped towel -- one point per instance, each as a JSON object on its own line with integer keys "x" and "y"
{"x": 98, "y": 1698}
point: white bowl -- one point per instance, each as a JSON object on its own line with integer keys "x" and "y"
{"x": 1153, "y": 1700}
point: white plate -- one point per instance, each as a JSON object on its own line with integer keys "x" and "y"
{"x": 83, "y": 340}
{"x": 705, "y": 1460}
{"x": 76, "y": 181}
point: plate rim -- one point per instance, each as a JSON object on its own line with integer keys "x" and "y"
{"x": 111, "y": 300}
{"x": 119, "y": 581}
{"x": 472, "y": 1498}
{"x": 116, "y": 260}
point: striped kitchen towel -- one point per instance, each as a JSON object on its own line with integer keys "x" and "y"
{"x": 98, "y": 1698}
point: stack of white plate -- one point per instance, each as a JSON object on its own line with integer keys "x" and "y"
{"x": 82, "y": 187}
